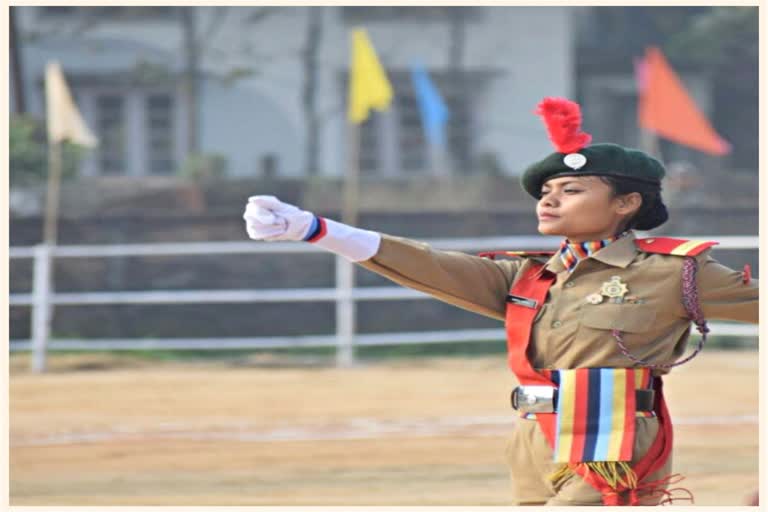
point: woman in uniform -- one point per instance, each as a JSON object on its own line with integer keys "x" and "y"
{"x": 591, "y": 327}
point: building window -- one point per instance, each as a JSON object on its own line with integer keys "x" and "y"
{"x": 413, "y": 145}
{"x": 111, "y": 129}
{"x": 159, "y": 132}
{"x": 138, "y": 128}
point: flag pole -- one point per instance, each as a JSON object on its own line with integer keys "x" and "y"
{"x": 345, "y": 269}
{"x": 440, "y": 161}
{"x": 368, "y": 88}
{"x": 434, "y": 114}
{"x": 50, "y": 225}
{"x": 44, "y": 260}
{"x": 349, "y": 212}
{"x": 63, "y": 122}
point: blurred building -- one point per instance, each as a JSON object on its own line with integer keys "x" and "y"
{"x": 265, "y": 75}
{"x": 265, "y": 87}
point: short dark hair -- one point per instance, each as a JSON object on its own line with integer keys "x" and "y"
{"x": 652, "y": 213}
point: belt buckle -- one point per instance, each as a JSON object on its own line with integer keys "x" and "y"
{"x": 534, "y": 398}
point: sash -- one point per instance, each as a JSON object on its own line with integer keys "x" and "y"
{"x": 596, "y": 413}
{"x": 530, "y": 292}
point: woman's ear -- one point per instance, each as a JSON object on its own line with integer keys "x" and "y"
{"x": 629, "y": 203}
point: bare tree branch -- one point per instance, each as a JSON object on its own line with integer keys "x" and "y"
{"x": 215, "y": 24}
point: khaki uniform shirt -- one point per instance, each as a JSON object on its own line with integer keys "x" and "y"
{"x": 568, "y": 331}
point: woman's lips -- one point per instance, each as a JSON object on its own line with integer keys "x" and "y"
{"x": 547, "y": 217}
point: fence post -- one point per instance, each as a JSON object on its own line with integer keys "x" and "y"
{"x": 41, "y": 306}
{"x": 345, "y": 312}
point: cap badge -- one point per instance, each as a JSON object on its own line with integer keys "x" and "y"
{"x": 575, "y": 160}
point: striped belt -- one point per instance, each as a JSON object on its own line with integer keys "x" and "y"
{"x": 595, "y": 410}
{"x": 530, "y": 399}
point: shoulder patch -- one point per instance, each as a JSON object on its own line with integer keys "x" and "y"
{"x": 673, "y": 246}
{"x": 516, "y": 254}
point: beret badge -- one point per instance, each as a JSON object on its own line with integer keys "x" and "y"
{"x": 575, "y": 161}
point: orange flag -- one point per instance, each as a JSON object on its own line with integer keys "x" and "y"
{"x": 667, "y": 109}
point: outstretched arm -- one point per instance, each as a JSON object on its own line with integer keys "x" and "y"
{"x": 725, "y": 293}
{"x": 470, "y": 282}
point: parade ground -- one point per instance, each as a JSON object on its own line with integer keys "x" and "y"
{"x": 101, "y": 430}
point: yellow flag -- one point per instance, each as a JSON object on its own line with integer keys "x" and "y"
{"x": 368, "y": 84}
{"x": 64, "y": 120}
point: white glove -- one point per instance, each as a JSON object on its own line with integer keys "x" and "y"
{"x": 268, "y": 218}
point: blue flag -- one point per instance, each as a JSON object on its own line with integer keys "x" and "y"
{"x": 434, "y": 113}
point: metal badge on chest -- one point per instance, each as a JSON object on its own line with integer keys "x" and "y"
{"x": 615, "y": 291}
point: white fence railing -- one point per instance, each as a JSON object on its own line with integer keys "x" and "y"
{"x": 43, "y": 298}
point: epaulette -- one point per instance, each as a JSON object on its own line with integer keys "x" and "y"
{"x": 516, "y": 254}
{"x": 673, "y": 246}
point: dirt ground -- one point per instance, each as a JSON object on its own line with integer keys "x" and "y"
{"x": 417, "y": 432}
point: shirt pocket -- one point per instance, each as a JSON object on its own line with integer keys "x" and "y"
{"x": 632, "y": 318}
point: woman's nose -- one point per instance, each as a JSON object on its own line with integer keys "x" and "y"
{"x": 548, "y": 200}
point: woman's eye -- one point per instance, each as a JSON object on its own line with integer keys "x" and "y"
{"x": 571, "y": 190}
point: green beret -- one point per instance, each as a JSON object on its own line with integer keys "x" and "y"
{"x": 594, "y": 160}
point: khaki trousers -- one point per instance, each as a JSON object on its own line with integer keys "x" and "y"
{"x": 530, "y": 463}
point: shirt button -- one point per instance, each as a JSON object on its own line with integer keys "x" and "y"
{"x": 569, "y": 284}
{"x": 557, "y": 323}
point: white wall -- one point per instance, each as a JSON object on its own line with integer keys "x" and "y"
{"x": 529, "y": 48}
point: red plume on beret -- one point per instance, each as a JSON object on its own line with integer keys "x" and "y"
{"x": 562, "y": 118}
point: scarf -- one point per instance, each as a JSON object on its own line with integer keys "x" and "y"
{"x": 573, "y": 252}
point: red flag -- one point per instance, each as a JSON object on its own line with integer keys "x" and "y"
{"x": 667, "y": 109}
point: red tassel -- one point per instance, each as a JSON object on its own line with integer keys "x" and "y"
{"x": 611, "y": 499}
{"x": 671, "y": 498}
{"x": 655, "y": 490}
{"x": 747, "y": 274}
{"x": 562, "y": 118}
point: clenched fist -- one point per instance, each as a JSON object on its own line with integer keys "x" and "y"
{"x": 268, "y": 218}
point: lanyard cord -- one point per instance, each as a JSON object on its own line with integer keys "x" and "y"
{"x": 692, "y": 307}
